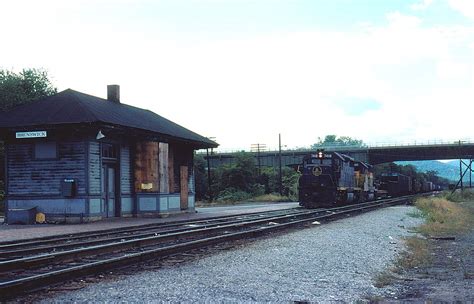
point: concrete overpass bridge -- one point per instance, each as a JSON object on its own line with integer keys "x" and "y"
{"x": 371, "y": 154}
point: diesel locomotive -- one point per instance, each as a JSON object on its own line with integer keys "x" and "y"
{"x": 331, "y": 178}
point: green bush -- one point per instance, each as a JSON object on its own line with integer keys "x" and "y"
{"x": 258, "y": 189}
{"x": 290, "y": 183}
{"x": 458, "y": 196}
{"x": 233, "y": 195}
{"x": 240, "y": 180}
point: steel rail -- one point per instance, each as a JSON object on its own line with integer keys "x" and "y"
{"x": 129, "y": 229}
{"x": 40, "y": 246}
{"x": 56, "y": 249}
{"x": 14, "y": 287}
{"x": 67, "y": 255}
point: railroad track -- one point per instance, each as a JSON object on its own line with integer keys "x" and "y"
{"x": 36, "y": 263}
{"x": 26, "y": 247}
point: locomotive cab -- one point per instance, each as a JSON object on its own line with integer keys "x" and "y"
{"x": 327, "y": 179}
{"x": 316, "y": 184}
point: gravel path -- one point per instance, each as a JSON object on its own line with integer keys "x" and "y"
{"x": 331, "y": 262}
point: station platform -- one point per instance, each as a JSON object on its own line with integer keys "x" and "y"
{"x": 18, "y": 232}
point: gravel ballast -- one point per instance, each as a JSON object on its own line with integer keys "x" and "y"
{"x": 336, "y": 261}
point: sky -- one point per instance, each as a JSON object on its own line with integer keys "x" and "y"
{"x": 243, "y": 71}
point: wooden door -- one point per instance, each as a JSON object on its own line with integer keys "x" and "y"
{"x": 184, "y": 187}
{"x": 109, "y": 190}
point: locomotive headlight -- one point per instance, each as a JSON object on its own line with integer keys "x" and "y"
{"x": 320, "y": 154}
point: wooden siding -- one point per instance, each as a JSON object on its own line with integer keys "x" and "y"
{"x": 171, "y": 173}
{"x": 182, "y": 156}
{"x": 125, "y": 170}
{"x": 30, "y": 177}
{"x": 146, "y": 167}
{"x": 94, "y": 168}
{"x": 163, "y": 168}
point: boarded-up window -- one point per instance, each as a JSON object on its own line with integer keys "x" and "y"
{"x": 182, "y": 156}
{"x": 146, "y": 167}
{"x": 46, "y": 150}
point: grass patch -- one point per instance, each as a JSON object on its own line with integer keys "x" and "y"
{"x": 234, "y": 198}
{"x": 273, "y": 197}
{"x": 448, "y": 215}
{"x": 215, "y": 203}
{"x": 416, "y": 214}
{"x": 444, "y": 217}
{"x": 417, "y": 254}
{"x": 459, "y": 196}
{"x": 384, "y": 279}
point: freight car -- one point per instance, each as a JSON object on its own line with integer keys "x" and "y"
{"x": 428, "y": 186}
{"x": 395, "y": 184}
{"x": 331, "y": 178}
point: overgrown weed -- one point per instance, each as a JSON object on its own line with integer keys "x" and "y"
{"x": 466, "y": 195}
{"x": 383, "y": 279}
{"x": 417, "y": 254}
{"x": 238, "y": 197}
{"x": 444, "y": 217}
{"x": 273, "y": 197}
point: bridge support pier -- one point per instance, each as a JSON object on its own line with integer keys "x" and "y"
{"x": 462, "y": 173}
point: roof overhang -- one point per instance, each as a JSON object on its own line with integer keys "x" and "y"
{"x": 90, "y": 129}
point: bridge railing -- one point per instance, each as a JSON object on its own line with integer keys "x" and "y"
{"x": 341, "y": 146}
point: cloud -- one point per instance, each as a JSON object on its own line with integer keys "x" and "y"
{"x": 355, "y": 106}
{"x": 422, "y": 5}
{"x": 398, "y": 81}
{"x": 465, "y": 7}
{"x": 400, "y": 21}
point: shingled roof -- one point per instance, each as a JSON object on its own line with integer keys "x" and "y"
{"x": 73, "y": 107}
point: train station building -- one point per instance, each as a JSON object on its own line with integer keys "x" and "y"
{"x": 77, "y": 158}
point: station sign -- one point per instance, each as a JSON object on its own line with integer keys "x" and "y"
{"x": 31, "y": 134}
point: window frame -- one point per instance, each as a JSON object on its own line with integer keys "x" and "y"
{"x": 115, "y": 148}
{"x": 52, "y": 143}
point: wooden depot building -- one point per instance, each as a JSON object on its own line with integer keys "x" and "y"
{"x": 77, "y": 158}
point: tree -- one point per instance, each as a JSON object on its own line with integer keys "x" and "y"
{"x": 333, "y": 140}
{"x": 23, "y": 87}
{"x": 241, "y": 175}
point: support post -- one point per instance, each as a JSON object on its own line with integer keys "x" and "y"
{"x": 460, "y": 174}
{"x": 470, "y": 172}
{"x": 279, "y": 165}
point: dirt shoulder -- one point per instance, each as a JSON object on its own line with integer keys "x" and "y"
{"x": 448, "y": 273}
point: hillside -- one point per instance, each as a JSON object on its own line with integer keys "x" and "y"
{"x": 448, "y": 170}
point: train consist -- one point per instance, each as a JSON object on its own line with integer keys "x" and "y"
{"x": 331, "y": 178}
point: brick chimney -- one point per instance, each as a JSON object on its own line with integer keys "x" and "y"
{"x": 113, "y": 93}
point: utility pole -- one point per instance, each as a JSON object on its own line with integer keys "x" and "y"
{"x": 279, "y": 165}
